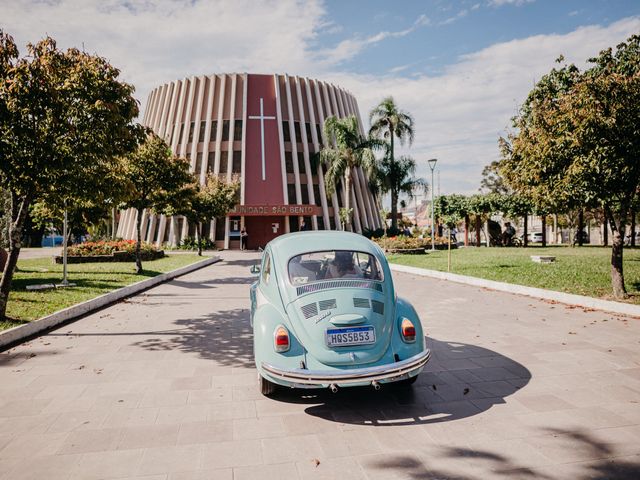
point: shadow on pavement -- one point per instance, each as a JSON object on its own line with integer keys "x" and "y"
{"x": 211, "y": 283}
{"x": 242, "y": 263}
{"x": 485, "y": 463}
{"x": 462, "y": 380}
{"x": 224, "y": 336}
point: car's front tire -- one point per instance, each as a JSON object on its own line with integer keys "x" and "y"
{"x": 266, "y": 387}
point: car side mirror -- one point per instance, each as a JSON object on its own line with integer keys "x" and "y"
{"x": 255, "y": 270}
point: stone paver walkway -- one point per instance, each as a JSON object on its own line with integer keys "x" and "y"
{"x": 163, "y": 386}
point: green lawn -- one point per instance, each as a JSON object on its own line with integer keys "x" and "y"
{"x": 91, "y": 279}
{"x": 584, "y": 271}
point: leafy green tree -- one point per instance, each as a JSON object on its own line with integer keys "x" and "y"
{"x": 156, "y": 181}
{"x": 388, "y": 122}
{"x": 514, "y": 205}
{"x": 81, "y": 215}
{"x": 214, "y": 199}
{"x": 88, "y": 204}
{"x": 481, "y": 206}
{"x": 397, "y": 177}
{"x": 492, "y": 181}
{"x": 64, "y": 119}
{"x": 451, "y": 209}
{"x": 5, "y": 216}
{"x": 348, "y": 150}
{"x": 577, "y": 138}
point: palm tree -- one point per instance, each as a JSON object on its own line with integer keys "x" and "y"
{"x": 388, "y": 122}
{"x": 347, "y": 149}
{"x": 397, "y": 177}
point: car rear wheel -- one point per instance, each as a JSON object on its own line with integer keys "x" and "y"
{"x": 266, "y": 387}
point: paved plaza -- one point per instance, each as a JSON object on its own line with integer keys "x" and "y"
{"x": 163, "y": 386}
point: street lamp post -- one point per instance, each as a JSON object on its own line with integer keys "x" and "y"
{"x": 432, "y": 165}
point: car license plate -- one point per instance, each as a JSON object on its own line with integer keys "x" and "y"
{"x": 344, "y": 337}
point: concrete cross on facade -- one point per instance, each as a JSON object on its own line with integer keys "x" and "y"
{"x": 262, "y": 118}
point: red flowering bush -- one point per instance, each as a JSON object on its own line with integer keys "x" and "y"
{"x": 91, "y": 249}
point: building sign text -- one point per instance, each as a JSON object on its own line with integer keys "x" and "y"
{"x": 275, "y": 210}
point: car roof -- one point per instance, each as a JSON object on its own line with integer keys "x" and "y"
{"x": 292, "y": 244}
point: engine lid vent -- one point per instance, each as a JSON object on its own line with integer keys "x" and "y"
{"x": 317, "y": 286}
{"x": 327, "y": 304}
{"x": 310, "y": 310}
{"x": 361, "y": 302}
{"x": 378, "y": 307}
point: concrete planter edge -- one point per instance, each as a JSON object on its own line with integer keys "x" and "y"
{"x": 561, "y": 297}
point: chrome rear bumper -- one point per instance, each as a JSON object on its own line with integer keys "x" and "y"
{"x": 350, "y": 376}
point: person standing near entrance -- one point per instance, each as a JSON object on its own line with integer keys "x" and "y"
{"x": 243, "y": 238}
{"x": 303, "y": 226}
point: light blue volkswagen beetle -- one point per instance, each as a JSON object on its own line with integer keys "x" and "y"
{"x": 325, "y": 315}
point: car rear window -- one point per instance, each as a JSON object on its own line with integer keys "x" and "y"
{"x": 332, "y": 264}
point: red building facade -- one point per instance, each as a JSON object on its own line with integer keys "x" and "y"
{"x": 262, "y": 130}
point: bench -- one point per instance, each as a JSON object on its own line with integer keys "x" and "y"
{"x": 543, "y": 258}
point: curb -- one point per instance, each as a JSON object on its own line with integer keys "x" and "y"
{"x": 568, "y": 298}
{"x": 16, "y": 334}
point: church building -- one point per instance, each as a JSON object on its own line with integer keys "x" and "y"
{"x": 263, "y": 131}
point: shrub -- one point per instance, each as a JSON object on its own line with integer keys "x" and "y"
{"x": 379, "y": 232}
{"x": 404, "y": 242}
{"x": 190, "y": 243}
{"x": 92, "y": 249}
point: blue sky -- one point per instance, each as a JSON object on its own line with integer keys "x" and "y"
{"x": 451, "y": 29}
{"x": 461, "y": 68}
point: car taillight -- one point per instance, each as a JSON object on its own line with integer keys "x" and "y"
{"x": 281, "y": 339}
{"x": 408, "y": 330}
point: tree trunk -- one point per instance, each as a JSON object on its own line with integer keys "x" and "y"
{"x": 347, "y": 202}
{"x": 605, "y": 230}
{"x": 394, "y": 211}
{"x": 394, "y": 201}
{"x": 617, "y": 247}
{"x": 18, "y": 216}
{"x": 525, "y": 237}
{"x": 199, "y": 236}
{"x": 466, "y": 230}
{"x": 580, "y": 227}
{"x": 544, "y": 230}
{"x": 633, "y": 228}
{"x": 478, "y": 228}
{"x": 487, "y": 234}
{"x": 139, "y": 241}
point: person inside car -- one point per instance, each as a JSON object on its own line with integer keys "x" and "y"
{"x": 344, "y": 266}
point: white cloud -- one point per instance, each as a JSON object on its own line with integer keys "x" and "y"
{"x": 459, "y": 113}
{"x": 157, "y": 41}
{"x": 499, "y": 3}
{"x": 459, "y": 15}
{"x": 349, "y": 48}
